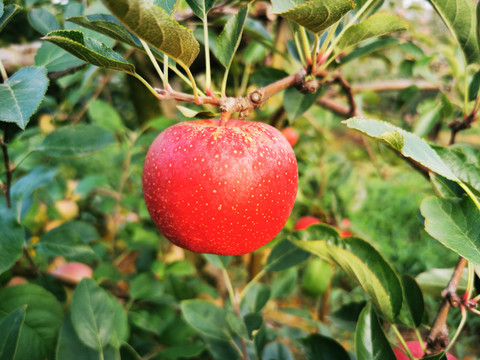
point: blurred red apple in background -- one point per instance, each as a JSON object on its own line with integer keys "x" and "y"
{"x": 305, "y": 222}
{"x": 416, "y": 350}
{"x": 72, "y": 272}
{"x": 290, "y": 134}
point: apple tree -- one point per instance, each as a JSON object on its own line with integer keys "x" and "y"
{"x": 362, "y": 241}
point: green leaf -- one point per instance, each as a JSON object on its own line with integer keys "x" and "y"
{"x": 319, "y": 347}
{"x": 92, "y": 315}
{"x": 187, "y": 351}
{"x": 434, "y": 281}
{"x": 369, "y": 47}
{"x": 413, "y": 304}
{"x": 167, "y": 5}
{"x": 10, "y": 329}
{"x": 237, "y": 325}
{"x": 363, "y": 263}
{"x": 376, "y": 25}
{"x": 229, "y": 39}
{"x": 154, "y": 25}
{"x": 408, "y": 144}
{"x": 70, "y": 347}
{"x": 201, "y": 7}
{"x": 296, "y": 103}
{"x": 460, "y": 18}
{"x": 89, "y": 50}
{"x": 455, "y": 223}
{"x": 206, "y": 318}
{"x": 65, "y": 241}
{"x": 256, "y": 297}
{"x": 43, "y": 319}
{"x": 317, "y": 15}
{"x": 12, "y": 238}
{"x": 474, "y": 86}
{"x": 21, "y": 94}
{"x": 370, "y": 340}
{"x": 430, "y": 114}
{"x": 79, "y": 140}
{"x": 54, "y": 58}
{"x": 285, "y": 255}
{"x": 221, "y": 350}
{"x": 219, "y": 261}
{"x": 42, "y": 20}
{"x": 276, "y": 350}
{"x": 9, "y": 12}
{"x": 104, "y": 115}
{"x": 464, "y": 160}
{"x": 1, "y": 8}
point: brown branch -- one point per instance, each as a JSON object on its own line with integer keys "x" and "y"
{"x": 8, "y": 169}
{"x": 394, "y": 85}
{"x": 243, "y": 105}
{"x": 458, "y": 125}
{"x": 438, "y": 339}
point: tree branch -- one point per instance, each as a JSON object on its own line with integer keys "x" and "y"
{"x": 438, "y": 339}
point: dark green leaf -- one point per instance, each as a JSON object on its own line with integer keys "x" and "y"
{"x": 474, "y": 86}
{"x": 12, "y": 238}
{"x": 76, "y": 141}
{"x": 92, "y": 315}
{"x": 413, "y": 304}
{"x": 201, "y": 7}
{"x": 24, "y": 188}
{"x": 368, "y": 48}
{"x": 374, "y": 26}
{"x": 464, "y": 160}
{"x": 237, "y": 326}
{"x": 460, "y": 18}
{"x": 296, "y": 103}
{"x": 222, "y": 350}
{"x": 253, "y": 322}
{"x": 43, "y": 319}
{"x": 316, "y": 15}
{"x": 71, "y": 347}
{"x": 65, "y": 241}
{"x": 455, "y": 223}
{"x": 276, "y": 350}
{"x": 42, "y": 20}
{"x": 10, "y": 329}
{"x": 370, "y": 340}
{"x": 363, "y": 263}
{"x": 430, "y": 114}
{"x": 167, "y": 5}
{"x": 229, "y": 39}
{"x": 89, "y": 50}
{"x": 146, "y": 286}
{"x": 206, "y": 318}
{"x": 155, "y": 26}
{"x": 407, "y": 143}
{"x": 256, "y": 297}
{"x": 21, "y": 94}
{"x": 319, "y": 347}
{"x": 186, "y": 351}
{"x": 285, "y": 255}
{"x": 54, "y": 58}
{"x": 9, "y": 12}
{"x": 444, "y": 187}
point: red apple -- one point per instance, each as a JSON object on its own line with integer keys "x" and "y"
{"x": 72, "y": 272}
{"x": 416, "y": 350}
{"x": 305, "y": 222}
{"x": 290, "y": 134}
{"x": 220, "y": 189}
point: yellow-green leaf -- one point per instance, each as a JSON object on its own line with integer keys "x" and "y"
{"x": 156, "y": 27}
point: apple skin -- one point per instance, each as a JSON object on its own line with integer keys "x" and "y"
{"x": 416, "y": 350}
{"x": 72, "y": 272}
{"x": 290, "y": 134}
{"x": 225, "y": 190}
{"x": 305, "y": 222}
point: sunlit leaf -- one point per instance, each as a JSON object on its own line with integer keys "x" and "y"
{"x": 229, "y": 39}
{"x": 154, "y": 25}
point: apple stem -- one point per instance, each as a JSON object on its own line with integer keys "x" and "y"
{"x": 224, "y": 118}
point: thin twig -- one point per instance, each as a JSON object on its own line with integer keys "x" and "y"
{"x": 8, "y": 169}
{"x": 438, "y": 338}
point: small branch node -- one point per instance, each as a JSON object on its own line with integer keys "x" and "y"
{"x": 256, "y": 97}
